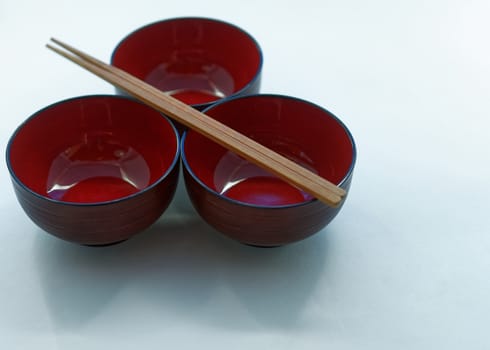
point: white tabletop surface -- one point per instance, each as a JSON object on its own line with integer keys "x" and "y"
{"x": 406, "y": 263}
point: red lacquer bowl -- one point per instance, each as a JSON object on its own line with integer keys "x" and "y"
{"x": 94, "y": 169}
{"x": 196, "y": 60}
{"x": 250, "y": 205}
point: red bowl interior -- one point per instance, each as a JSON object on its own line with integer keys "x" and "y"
{"x": 197, "y": 60}
{"x": 92, "y": 149}
{"x": 299, "y": 130}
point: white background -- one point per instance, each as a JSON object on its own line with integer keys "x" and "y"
{"x": 406, "y": 263}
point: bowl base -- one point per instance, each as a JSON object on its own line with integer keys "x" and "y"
{"x": 262, "y": 246}
{"x": 105, "y": 244}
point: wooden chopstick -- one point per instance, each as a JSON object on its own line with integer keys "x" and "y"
{"x": 247, "y": 148}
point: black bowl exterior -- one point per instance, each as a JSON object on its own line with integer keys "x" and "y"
{"x": 104, "y": 223}
{"x": 259, "y": 226}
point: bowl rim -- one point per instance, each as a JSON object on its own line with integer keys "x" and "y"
{"x": 36, "y": 114}
{"x": 203, "y": 105}
{"x": 347, "y": 175}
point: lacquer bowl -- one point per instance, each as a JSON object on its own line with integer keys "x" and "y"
{"x": 245, "y": 202}
{"x": 196, "y": 60}
{"x": 94, "y": 169}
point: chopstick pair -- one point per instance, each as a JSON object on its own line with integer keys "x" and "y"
{"x": 245, "y": 147}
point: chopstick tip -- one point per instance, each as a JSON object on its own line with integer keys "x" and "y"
{"x": 50, "y": 43}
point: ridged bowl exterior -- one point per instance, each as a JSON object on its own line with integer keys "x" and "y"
{"x": 254, "y": 225}
{"x": 99, "y": 224}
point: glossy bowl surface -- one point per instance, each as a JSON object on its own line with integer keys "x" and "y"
{"x": 247, "y": 203}
{"x": 94, "y": 169}
{"x": 197, "y": 60}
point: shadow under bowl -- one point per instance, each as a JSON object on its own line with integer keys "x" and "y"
{"x": 94, "y": 169}
{"x": 247, "y": 203}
